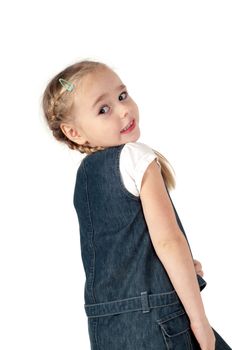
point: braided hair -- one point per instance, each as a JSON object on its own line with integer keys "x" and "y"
{"x": 57, "y": 102}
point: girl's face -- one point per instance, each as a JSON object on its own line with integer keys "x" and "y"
{"x": 102, "y": 108}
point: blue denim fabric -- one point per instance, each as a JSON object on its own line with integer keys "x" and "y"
{"x": 130, "y": 301}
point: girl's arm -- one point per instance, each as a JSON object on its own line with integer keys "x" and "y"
{"x": 169, "y": 242}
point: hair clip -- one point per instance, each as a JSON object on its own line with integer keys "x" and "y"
{"x": 66, "y": 84}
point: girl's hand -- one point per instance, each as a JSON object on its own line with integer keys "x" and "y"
{"x": 204, "y": 334}
{"x": 202, "y": 330}
{"x": 198, "y": 267}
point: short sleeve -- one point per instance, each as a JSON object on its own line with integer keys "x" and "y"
{"x": 134, "y": 160}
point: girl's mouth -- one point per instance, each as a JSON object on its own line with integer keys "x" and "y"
{"x": 129, "y": 127}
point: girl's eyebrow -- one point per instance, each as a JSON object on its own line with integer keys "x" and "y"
{"x": 122, "y": 86}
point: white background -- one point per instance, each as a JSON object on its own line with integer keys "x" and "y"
{"x": 175, "y": 57}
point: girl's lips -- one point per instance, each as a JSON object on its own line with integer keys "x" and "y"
{"x": 130, "y": 128}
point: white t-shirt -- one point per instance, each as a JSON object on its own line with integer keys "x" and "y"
{"x": 134, "y": 160}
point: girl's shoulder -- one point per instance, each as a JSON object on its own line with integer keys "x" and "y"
{"x": 136, "y": 150}
{"x": 134, "y": 160}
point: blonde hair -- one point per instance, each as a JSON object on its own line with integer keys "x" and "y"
{"x": 57, "y": 104}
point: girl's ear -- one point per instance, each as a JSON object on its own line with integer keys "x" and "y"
{"x": 72, "y": 133}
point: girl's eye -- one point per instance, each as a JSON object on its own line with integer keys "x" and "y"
{"x": 102, "y": 108}
{"x": 124, "y": 92}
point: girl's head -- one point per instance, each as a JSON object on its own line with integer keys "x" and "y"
{"x": 91, "y": 116}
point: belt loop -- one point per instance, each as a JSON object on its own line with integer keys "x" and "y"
{"x": 144, "y": 300}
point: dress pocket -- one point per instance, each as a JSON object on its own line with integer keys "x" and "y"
{"x": 176, "y": 330}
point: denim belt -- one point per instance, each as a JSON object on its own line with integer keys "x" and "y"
{"x": 144, "y": 302}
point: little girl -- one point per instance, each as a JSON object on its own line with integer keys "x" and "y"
{"x": 142, "y": 288}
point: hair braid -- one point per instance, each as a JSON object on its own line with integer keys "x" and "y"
{"x": 57, "y": 103}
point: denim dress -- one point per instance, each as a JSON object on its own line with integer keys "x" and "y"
{"x": 130, "y": 301}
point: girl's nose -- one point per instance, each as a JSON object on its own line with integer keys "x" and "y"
{"x": 124, "y": 112}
